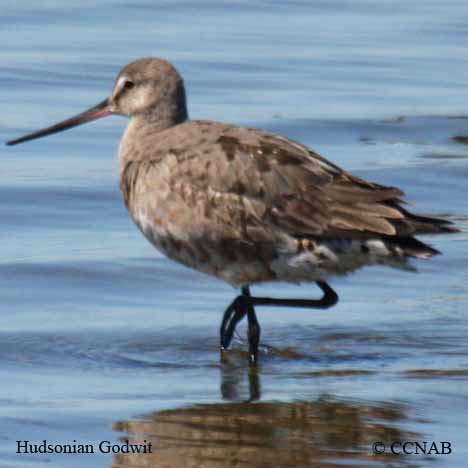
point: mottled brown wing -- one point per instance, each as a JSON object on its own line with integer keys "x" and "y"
{"x": 285, "y": 185}
{"x": 256, "y": 183}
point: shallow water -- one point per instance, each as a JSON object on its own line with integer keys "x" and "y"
{"x": 102, "y": 338}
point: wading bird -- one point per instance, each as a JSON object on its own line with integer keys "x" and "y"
{"x": 243, "y": 204}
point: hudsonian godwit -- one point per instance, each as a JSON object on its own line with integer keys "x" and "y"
{"x": 243, "y": 204}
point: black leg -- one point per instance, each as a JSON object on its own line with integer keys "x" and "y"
{"x": 244, "y": 305}
{"x": 227, "y": 319}
{"x": 235, "y": 312}
{"x": 329, "y": 299}
{"x": 254, "y": 327}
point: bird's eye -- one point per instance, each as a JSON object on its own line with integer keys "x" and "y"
{"x": 128, "y": 85}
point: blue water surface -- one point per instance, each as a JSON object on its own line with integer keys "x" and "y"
{"x": 101, "y": 337}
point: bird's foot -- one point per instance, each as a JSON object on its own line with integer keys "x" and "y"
{"x": 236, "y": 311}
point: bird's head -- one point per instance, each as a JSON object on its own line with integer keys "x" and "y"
{"x": 148, "y": 88}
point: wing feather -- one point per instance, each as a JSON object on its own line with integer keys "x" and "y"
{"x": 279, "y": 185}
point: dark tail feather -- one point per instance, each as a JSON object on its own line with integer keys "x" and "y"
{"x": 428, "y": 225}
{"x": 411, "y": 247}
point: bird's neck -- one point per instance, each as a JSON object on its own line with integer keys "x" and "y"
{"x": 163, "y": 116}
{"x": 144, "y": 131}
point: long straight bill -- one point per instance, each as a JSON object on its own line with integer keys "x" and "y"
{"x": 96, "y": 112}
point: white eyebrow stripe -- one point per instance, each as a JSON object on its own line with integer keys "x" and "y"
{"x": 119, "y": 85}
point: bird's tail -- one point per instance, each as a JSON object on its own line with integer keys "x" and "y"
{"x": 428, "y": 224}
{"x": 410, "y": 247}
{"x": 413, "y": 224}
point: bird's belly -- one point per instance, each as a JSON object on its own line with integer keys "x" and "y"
{"x": 239, "y": 262}
{"x": 235, "y": 262}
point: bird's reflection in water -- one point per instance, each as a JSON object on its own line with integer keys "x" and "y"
{"x": 324, "y": 432}
{"x": 239, "y": 383}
